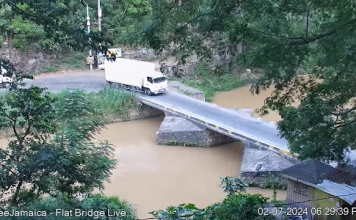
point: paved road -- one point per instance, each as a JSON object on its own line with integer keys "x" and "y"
{"x": 249, "y": 127}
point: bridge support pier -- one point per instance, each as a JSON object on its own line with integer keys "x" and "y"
{"x": 182, "y": 132}
{"x": 259, "y": 164}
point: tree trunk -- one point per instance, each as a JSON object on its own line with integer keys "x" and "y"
{"x": 16, "y": 195}
{"x": 9, "y": 44}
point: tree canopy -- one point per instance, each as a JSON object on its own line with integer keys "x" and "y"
{"x": 53, "y": 152}
{"x": 58, "y": 25}
{"x": 304, "y": 49}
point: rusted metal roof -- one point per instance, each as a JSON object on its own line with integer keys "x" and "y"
{"x": 342, "y": 191}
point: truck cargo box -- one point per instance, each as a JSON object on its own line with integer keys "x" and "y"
{"x": 128, "y": 72}
{"x": 135, "y": 75}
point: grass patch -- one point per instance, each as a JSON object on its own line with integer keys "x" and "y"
{"x": 110, "y": 103}
{"x": 113, "y": 103}
{"x": 270, "y": 182}
{"x": 210, "y": 83}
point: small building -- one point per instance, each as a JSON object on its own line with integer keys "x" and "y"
{"x": 315, "y": 190}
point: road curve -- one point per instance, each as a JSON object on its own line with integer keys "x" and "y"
{"x": 262, "y": 131}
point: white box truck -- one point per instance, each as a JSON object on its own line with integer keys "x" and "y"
{"x": 5, "y": 81}
{"x": 135, "y": 75}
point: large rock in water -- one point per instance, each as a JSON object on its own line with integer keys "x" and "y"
{"x": 264, "y": 160}
{"x": 181, "y": 131}
{"x": 257, "y": 163}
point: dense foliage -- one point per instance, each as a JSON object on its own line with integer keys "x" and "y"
{"x": 53, "y": 162}
{"x": 41, "y": 25}
{"x": 238, "y": 205}
{"x": 53, "y": 151}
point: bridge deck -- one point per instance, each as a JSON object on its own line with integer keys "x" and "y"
{"x": 225, "y": 121}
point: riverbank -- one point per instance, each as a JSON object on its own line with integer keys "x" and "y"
{"x": 112, "y": 105}
{"x": 211, "y": 83}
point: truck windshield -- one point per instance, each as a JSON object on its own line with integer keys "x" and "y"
{"x": 159, "y": 80}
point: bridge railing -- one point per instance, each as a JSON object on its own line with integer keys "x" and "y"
{"x": 249, "y": 142}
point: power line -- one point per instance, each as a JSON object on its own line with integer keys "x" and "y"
{"x": 312, "y": 200}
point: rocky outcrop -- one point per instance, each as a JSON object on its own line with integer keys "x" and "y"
{"x": 37, "y": 62}
{"x": 257, "y": 163}
{"x": 186, "y": 90}
{"x": 171, "y": 67}
{"x": 28, "y": 62}
{"x": 182, "y": 132}
{"x": 178, "y": 70}
{"x": 138, "y": 53}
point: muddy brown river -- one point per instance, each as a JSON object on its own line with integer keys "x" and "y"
{"x": 242, "y": 98}
{"x": 154, "y": 177}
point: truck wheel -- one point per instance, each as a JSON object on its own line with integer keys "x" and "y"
{"x": 108, "y": 83}
{"x": 148, "y": 92}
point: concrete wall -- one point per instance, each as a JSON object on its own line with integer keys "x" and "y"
{"x": 180, "y": 131}
{"x": 142, "y": 112}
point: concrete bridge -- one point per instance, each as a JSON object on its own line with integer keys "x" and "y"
{"x": 252, "y": 132}
{"x": 263, "y": 146}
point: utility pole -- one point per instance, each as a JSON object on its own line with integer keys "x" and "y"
{"x": 88, "y": 24}
{"x": 100, "y": 55}
{"x": 99, "y": 15}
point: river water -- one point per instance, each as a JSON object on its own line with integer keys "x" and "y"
{"x": 154, "y": 177}
{"x": 242, "y": 98}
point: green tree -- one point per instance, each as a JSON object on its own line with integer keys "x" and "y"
{"x": 27, "y": 33}
{"x": 53, "y": 151}
{"x": 123, "y": 20}
{"x": 285, "y": 40}
{"x": 240, "y": 206}
{"x": 5, "y": 20}
{"x": 233, "y": 185}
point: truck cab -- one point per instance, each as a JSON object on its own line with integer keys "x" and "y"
{"x": 156, "y": 83}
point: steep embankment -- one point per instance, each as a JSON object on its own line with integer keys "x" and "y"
{"x": 35, "y": 62}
